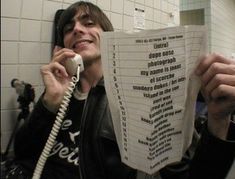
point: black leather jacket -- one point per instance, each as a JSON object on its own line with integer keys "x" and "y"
{"x": 99, "y": 153}
{"x": 100, "y": 158}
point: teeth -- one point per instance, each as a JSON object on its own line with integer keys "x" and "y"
{"x": 84, "y": 42}
{"x": 81, "y": 42}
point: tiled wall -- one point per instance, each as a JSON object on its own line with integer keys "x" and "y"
{"x": 223, "y": 26}
{"x": 26, "y": 36}
{"x": 220, "y": 20}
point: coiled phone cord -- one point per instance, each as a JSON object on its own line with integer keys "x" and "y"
{"x": 56, "y": 127}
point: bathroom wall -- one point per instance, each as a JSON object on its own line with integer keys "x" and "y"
{"x": 222, "y": 27}
{"x": 218, "y": 17}
{"x": 26, "y": 38}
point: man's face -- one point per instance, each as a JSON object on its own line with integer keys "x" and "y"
{"x": 82, "y": 35}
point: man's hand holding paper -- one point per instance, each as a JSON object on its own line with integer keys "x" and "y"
{"x": 217, "y": 74}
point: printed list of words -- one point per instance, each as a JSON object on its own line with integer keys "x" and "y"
{"x": 151, "y": 89}
{"x": 165, "y": 71}
{"x": 165, "y": 74}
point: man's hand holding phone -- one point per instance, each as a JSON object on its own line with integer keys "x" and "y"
{"x": 56, "y": 78}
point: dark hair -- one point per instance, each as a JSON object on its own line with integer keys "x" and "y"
{"x": 95, "y": 13}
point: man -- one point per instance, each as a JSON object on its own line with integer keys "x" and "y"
{"x": 86, "y": 145}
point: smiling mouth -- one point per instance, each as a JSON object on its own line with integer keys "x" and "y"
{"x": 80, "y": 44}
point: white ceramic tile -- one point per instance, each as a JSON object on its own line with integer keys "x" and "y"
{"x": 164, "y": 18}
{"x": 70, "y": 1}
{"x": 139, "y": 1}
{"x": 29, "y": 52}
{"x": 40, "y": 80}
{"x": 157, "y": 16}
{"x": 176, "y": 18}
{"x": 8, "y": 72}
{"x": 104, "y": 5}
{"x": 128, "y": 23}
{"x": 9, "y": 52}
{"x": 163, "y": 25}
{"x": 9, "y": 29}
{"x": 49, "y": 9}
{"x": 65, "y": 5}
{"x": 93, "y": 1}
{"x": 46, "y": 52}
{"x": 171, "y": 8}
{"x": 139, "y": 6}
{"x": 129, "y": 8}
{"x": 47, "y": 31}
{"x": 9, "y": 98}
{"x": 148, "y": 24}
{"x": 117, "y": 6}
{"x": 149, "y": 3}
{"x": 156, "y": 25}
{"x": 116, "y": 20}
{"x": 108, "y": 14}
{"x": 30, "y": 74}
{"x": 173, "y": 1}
{"x": 157, "y": 4}
{"x": 164, "y": 6}
{"x": 32, "y": 9}
{"x": 30, "y": 30}
{"x": 148, "y": 13}
{"x": 11, "y": 8}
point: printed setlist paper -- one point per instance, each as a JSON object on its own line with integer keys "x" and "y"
{"x": 151, "y": 88}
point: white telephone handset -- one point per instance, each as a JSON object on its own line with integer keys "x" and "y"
{"x": 71, "y": 64}
{"x": 74, "y": 66}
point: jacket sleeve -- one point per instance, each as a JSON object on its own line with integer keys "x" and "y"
{"x": 32, "y": 135}
{"x": 213, "y": 157}
{"x": 209, "y": 157}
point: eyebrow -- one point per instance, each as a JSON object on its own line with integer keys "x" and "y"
{"x": 85, "y": 16}
{"x": 82, "y": 17}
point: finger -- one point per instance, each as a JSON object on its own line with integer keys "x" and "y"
{"x": 58, "y": 69}
{"x": 219, "y": 79}
{"x": 224, "y": 91}
{"x": 61, "y": 51}
{"x": 54, "y": 68}
{"x": 206, "y": 62}
{"x": 215, "y": 69}
{"x": 56, "y": 49}
{"x": 204, "y": 94}
{"x": 63, "y": 54}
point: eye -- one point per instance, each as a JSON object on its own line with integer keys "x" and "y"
{"x": 68, "y": 28}
{"x": 89, "y": 23}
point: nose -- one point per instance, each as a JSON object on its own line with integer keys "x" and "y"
{"x": 78, "y": 28}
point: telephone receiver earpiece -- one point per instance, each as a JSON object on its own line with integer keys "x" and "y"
{"x": 71, "y": 65}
